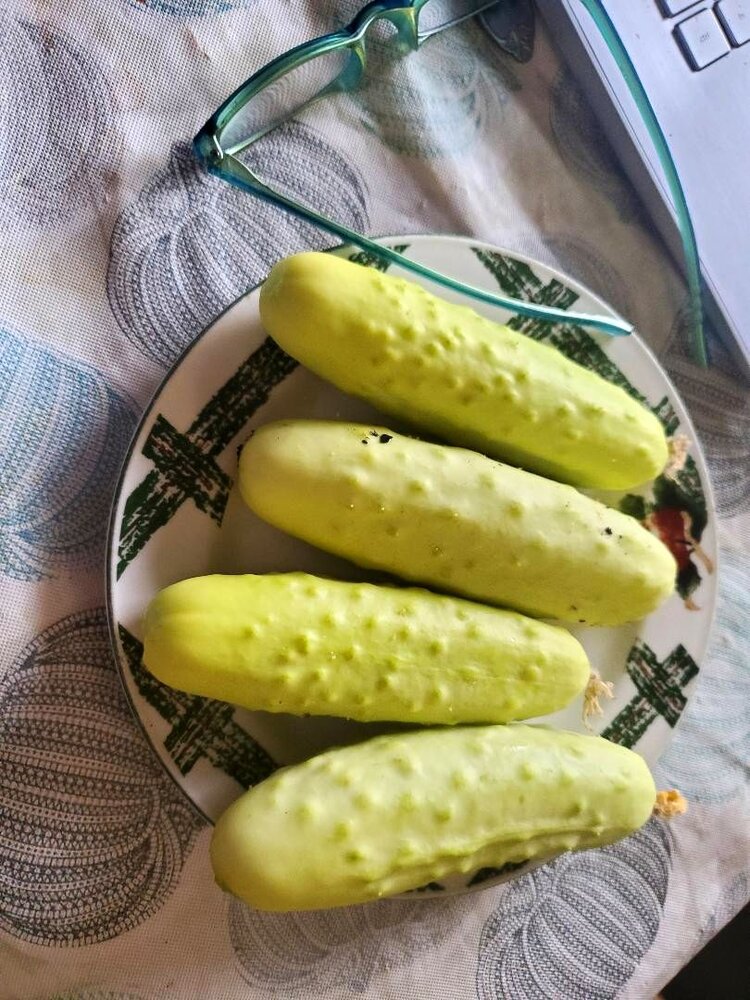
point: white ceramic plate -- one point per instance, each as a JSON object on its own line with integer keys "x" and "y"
{"x": 177, "y": 514}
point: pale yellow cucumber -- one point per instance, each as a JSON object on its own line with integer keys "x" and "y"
{"x": 400, "y": 811}
{"x": 445, "y": 368}
{"x": 454, "y": 519}
{"x": 298, "y": 643}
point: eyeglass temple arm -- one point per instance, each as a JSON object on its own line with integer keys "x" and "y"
{"x": 232, "y": 170}
{"x": 629, "y": 73}
{"x": 466, "y": 16}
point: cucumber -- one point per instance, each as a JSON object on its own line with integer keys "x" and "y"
{"x": 443, "y": 367}
{"x": 399, "y": 811}
{"x": 454, "y": 519}
{"x": 297, "y": 643}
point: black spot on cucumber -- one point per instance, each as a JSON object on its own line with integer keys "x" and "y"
{"x": 487, "y": 873}
{"x": 430, "y": 887}
{"x": 373, "y": 434}
{"x": 608, "y": 531}
{"x": 385, "y": 438}
{"x": 364, "y": 440}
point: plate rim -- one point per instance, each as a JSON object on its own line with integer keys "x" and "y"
{"x": 110, "y": 581}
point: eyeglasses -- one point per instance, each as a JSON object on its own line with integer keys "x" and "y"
{"x": 334, "y": 64}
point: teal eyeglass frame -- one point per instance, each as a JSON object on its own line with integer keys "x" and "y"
{"x": 404, "y": 16}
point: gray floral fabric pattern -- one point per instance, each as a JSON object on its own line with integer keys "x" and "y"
{"x": 98, "y": 834}
{"x": 53, "y": 163}
{"x": 190, "y": 244}
{"x": 59, "y": 459}
{"x": 553, "y": 931}
{"x": 293, "y": 955}
{"x": 117, "y": 250}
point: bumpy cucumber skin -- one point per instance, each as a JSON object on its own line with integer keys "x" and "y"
{"x": 455, "y": 519}
{"x": 297, "y": 643}
{"x": 445, "y": 368}
{"x": 396, "y": 812}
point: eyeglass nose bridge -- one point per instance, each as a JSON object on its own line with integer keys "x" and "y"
{"x": 403, "y": 18}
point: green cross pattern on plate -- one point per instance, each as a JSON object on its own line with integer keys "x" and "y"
{"x": 518, "y": 280}
{"x": 370, "y": 260}
{"x": 201, "y": 727}
{"x": 184, "y": 465}
{"x": 660, "y": 687}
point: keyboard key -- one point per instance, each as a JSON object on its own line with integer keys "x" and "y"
{"x": 735, "y": 16}
{"x": 702, "y": 39}
{"x": 672, "y": 7}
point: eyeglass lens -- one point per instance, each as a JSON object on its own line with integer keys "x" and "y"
{"x": 285, "y": 98}
{"x": 300, "y": 86}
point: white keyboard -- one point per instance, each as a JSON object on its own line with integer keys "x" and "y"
{"x": 709, "y": 33}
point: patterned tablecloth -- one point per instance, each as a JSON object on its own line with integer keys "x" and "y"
{"x": 116, "y": 251}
